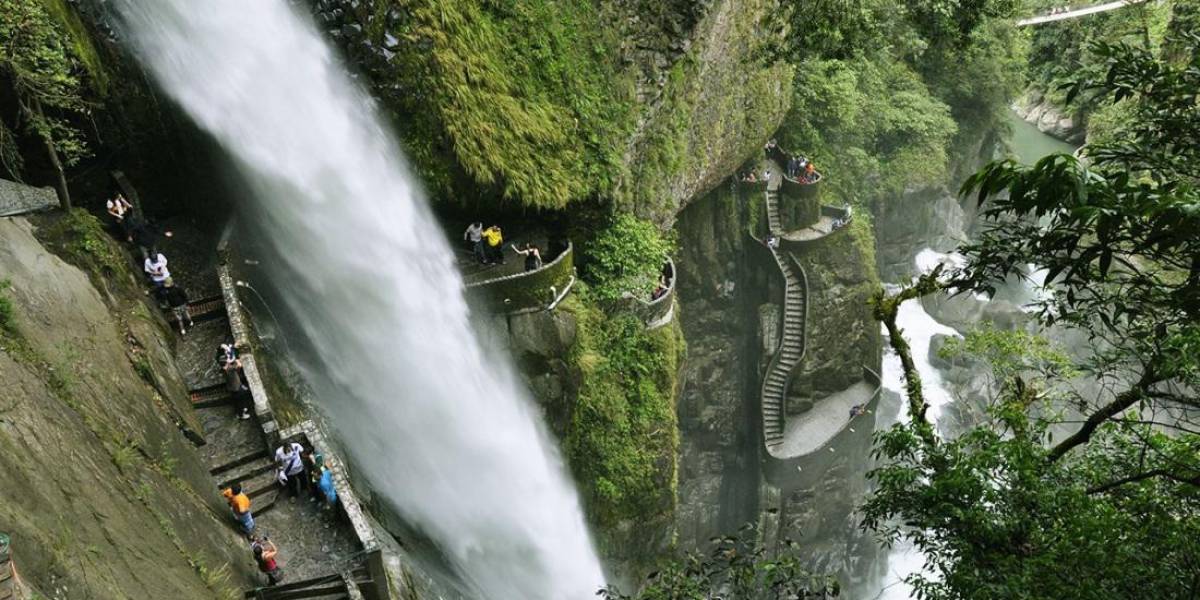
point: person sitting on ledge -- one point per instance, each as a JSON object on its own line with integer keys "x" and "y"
{"x": 661, "y": 289}
{"x": 495, "y": 244}
{"x": 750, "y": 177}
{"x": 533, "y": 257}
{"x": 857, "y": 409}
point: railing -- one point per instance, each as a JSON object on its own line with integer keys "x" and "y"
{"x": 540, "y": 289}
{"x": 659, "y": 311}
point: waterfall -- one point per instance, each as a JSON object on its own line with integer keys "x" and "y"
{"x": 440, "y": 428}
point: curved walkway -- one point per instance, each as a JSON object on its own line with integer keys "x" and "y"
{"x": 1078, "y": 12}
{"x": 660, "y": 311}
{"x": 540, "y": 289}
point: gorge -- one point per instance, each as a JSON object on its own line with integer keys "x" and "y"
{"x": 692, "y": 389}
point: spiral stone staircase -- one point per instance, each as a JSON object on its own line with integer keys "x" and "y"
{"x": 791, "y": 440}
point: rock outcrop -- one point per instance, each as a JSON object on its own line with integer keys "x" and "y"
{"x": 1050, "y": 119}
{"x": 102, "y": 494}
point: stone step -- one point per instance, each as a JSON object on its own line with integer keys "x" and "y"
{"x": 239, "y": 462}
{"x": 249, "y": 472}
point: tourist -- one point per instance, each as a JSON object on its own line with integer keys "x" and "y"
{"x": 767, "y": 176}
{"x": 750, "y": 177}
{"x": 176, "y": 298}
{"x": 231, "y": 367}
{"x": 857, "y": 409}
{"x": 661, "y": 289}
{"x": 144, "y": 234}
{"x": 264, "y": 554}
{"x": 495, "y": 244}
{"x": 325, "y": 484}
{"x": 313, "y": 463}
{"x": 769, "y": 147}
{"x": 291, "y": 467}
{"x": 772, "y": 242}
{"x": 810, "y": 173}
{"x": 793, "y": 167}
{"x": 239, "y": 504}
{"x": 121, "y": 211}
{"x": 533, "y": 257}
{"x": 474, "y": 238}
{"x": 155, "y": 266}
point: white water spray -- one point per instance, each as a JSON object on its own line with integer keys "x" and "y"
{"x": 441, "y": 430}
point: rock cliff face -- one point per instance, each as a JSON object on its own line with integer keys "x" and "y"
{"x": 102, "y": 494}
{"x": 719, "y": 292}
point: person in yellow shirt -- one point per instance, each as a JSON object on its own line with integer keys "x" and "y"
{"x": 495, "y": 244}
{"x": 239, "y": 503}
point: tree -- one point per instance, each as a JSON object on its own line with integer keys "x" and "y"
{"x": 1112, "y": 510}
{"x": 41, "y": 72}
{"x": 736, "y": 571}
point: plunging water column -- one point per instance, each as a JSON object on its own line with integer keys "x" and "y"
{"x": 441, "y": 430}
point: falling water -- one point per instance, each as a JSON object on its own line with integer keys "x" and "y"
{"x": 440, "y": 429}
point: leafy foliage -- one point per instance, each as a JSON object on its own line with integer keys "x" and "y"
{"x": 732, "y": 569}
{"x": 1112, "y": 509}
{"x": 6, "y": 307}
{"x": 43, "y": 74}
{"x": 625, "y": 257}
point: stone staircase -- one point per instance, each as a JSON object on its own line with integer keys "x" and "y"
{"x": 338, "y": 586}
{"x": 792, "y": 342}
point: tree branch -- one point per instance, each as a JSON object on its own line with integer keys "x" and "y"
{"x": 1123, "y": 401}
{"x": 1100, "y": 489}
{"x": 886, "y": 310}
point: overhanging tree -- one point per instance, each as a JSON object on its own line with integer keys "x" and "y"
{"x": 42, "y": 75}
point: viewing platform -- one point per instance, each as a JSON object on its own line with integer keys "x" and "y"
{"x": 509, "y": 288}
{"x": 656, "y": 311}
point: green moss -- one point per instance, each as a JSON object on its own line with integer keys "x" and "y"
{"x": 80, "y": 43}
{"x": 6, "y": 308}
{"x": 528, "y": 92}
{"x": 623, "y": 437}
{"x": 80, "y": 239}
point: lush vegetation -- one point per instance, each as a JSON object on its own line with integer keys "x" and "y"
{"x": 43, "y": 74}
{"x": 625, "y": 257}
{"x": 623, "y": 437}
{"x": 733, "y": 569}
{"x": 1112, "y": 508}
{"x": 884, "y": 99}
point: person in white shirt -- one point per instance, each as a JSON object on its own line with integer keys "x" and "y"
{"x": 156, "y": 267}
{"x": 474, "y": 236}
{"x": 291, "y": 467}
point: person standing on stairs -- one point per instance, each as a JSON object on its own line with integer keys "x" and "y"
{"x": 239, "y": 503}
{"x": 264, "y": 554}
{"x": 288, "y": 459}
{"x": 177, "y": 299}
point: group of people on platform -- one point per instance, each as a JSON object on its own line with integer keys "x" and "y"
{"x": 798, "y": 168}
{"x": 488, "y": 246}
{"x": 298, "y": 471}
